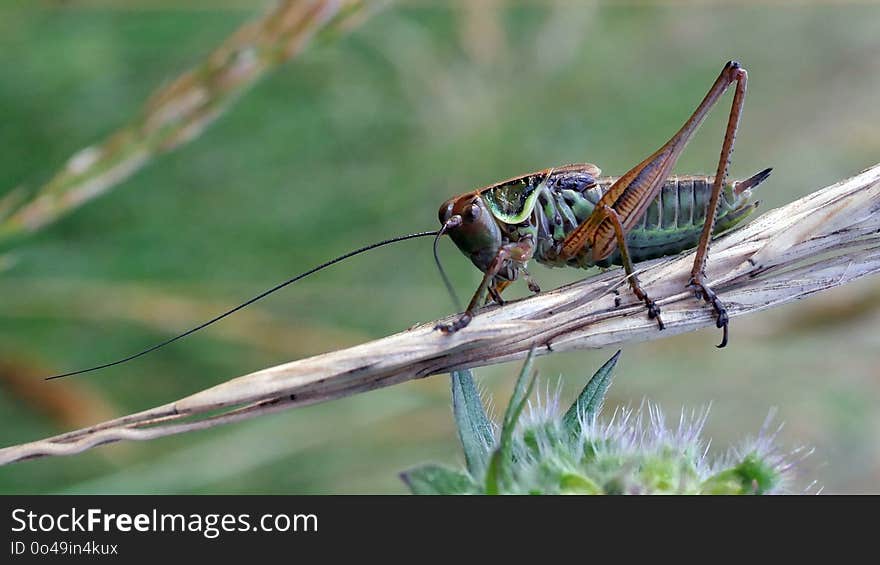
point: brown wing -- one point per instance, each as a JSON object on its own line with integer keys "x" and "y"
{"x": 588, "y": 168}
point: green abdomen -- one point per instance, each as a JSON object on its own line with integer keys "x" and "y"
{"x": 671, "y": 224}
{"x": 674, "y": 221}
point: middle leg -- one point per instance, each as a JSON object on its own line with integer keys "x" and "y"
{"x": 632, "y": 279}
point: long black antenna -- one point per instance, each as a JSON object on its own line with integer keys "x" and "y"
{"x": 249, "y": 302}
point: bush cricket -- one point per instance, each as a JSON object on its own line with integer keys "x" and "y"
{"x": 572, "y": 216}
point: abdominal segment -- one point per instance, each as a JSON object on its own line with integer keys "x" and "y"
{"x": 671, "y": 224}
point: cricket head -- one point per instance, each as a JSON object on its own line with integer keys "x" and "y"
{"x": 472, "y": 227}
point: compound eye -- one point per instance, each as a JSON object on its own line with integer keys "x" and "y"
{"x": 472, "y": 212}
{"x": 445, "y": 211}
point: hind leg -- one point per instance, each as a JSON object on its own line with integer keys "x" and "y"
{"x": 698, "y": 273}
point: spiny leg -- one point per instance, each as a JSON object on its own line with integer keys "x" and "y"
{"x": 632, "y": 279}
{"x": 520, "y": 252}
{"x": 498, "y": 286}
{"x": 482, "y": 290}
{"x": 698, "y": 273}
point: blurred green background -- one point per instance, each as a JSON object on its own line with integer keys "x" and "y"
{"x": 361, "y": 139}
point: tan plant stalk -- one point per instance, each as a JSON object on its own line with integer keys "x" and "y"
{"x": 179, "y": 112}
{"x": 824, "y": 240}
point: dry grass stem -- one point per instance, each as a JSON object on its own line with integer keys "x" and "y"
{"x": 824, "y": 240}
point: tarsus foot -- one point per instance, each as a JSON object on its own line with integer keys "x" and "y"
{"x": 703, "y": 291}
{"x": 458, "y": 324}
{"x": 654, "y": 312}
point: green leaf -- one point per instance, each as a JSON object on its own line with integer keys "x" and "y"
{"x": 493, "y": 473}
{"x": 436, "y": 479}
{"x": 521, "y": 393}
{"x": 590, "y": 399}
{"x": 474, "y": 427}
